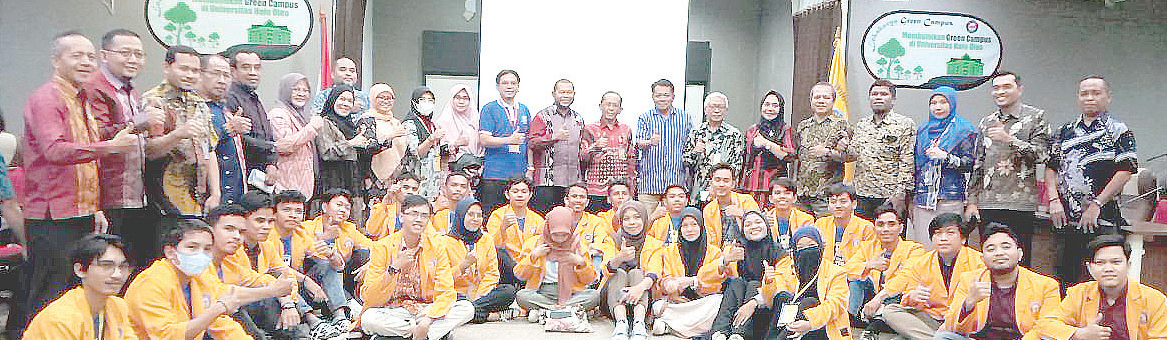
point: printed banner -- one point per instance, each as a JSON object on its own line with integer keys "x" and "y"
{"x": 931, "y": 49}
{"x": 273, "y": 29}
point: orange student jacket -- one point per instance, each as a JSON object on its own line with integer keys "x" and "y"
{"x": 831, "y": 289}
{"x": 348, "y": 230}
{"x": 1036, "y": 295}
{"x": 925, "y": 271}
{"x": 69, "y": 318}
{"x": 797, "y": 219}
{"x": 480, "y": 279}
{"x": 607, "y": 217}
{"x": 905, "y": 252}
{"x": 858, "y": 230}
{"x": 440, "y": 223}
{"x": 512, "y": 239}
{"x": 667, "y": 264}
{"x": 648, "y": 251}
{"x": 236, "y": 268}
{"x": 592, "y": 231}
{"x": 436, "y": 273}
{"x": 158, "y": 307}
{"x": 1146, "y": 316}
{"x": 382, "y": 220}
{"x": 712, "y": 214}
{"x": 531, "y": 270}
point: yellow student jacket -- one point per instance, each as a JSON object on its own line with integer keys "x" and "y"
{"x": 158, "y": 306}
{"x": 831, "y": 313}
{"x": 69, "y": 318}
{"x": 667, "y": 264}
{"x": 530, "y": 269}
{"x": 512, "y": 239}
{"x": 1036, "y": 295}
{"x": 858, "y": 230}
{"x": 925, "y": 271}
{"x": 1146, "y": 316}
{"x": 436, "y": 274}
{"x": 712, "y": 215}
{"x": 905, "y": 252}
{"x": 483, "y": 277}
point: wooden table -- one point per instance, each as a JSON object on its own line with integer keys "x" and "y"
{"x": 1141, "y": 232}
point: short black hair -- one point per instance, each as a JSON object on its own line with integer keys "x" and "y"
{"x": 233, "y": 58}
{"x": 784, "y": 182}
{"x": 1106, "y": 241}
{"x": 456, "y": 173}
{"x": 580, "y": 185}
{"x": 665, "y": 83}
{"x": 333, "y": 193}
{"x": 107, "y": 39}
{"x": 498, "y": 78}
{"x": 404, "y": 176}
{"x": 183, "y": 228}
{"x": 947, "y": 220}
{"x": 615, "y": 93}
{"x": 516, "y": 181}
{"x": 1016, "y": 77}
{"x": 218, "y": 212}
{"x": 678, "y": 186}
{"x": 840, "y": 189}
{"x": 205, "y": 60}
{"x": 254, "y": 200}
{"x": 92, "y": 246}
{"x": 883, "y": 83}
{"x": 724, "y": 166}
{"x": 888, "y": 208}
{"x": 289, "y": 196}
{"x": 998, "y": 228}
{"x": 1095, "y": 76}
{"x": 618, "y": 182}
{"x": 414, "y": 201}
{"x": 173, "y": 52}
{"x": 562, "y": 81}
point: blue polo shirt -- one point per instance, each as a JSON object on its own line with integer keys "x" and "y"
{"x": 499, "y": 163}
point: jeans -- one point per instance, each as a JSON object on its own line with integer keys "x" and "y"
{"x": 506, "y": 268}
{"x": 736, "y": 293}
{"x": 861, "y": 293}
{"x": 497, "y": 300}
{"x": 330, "y": 281}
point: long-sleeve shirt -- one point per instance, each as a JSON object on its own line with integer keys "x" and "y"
{"x": 435, "y": 271}
{"x": 839, "y": 244}
{"x": 161, "y": 306}
{"x": 173, "y": 182}
{"x": 661, "y": 165}
{"x": 615, "y": 162}
{"x": 1145, "y": 316}
{"x": 1034, "y": 296}
{"x": 258, "y": 145}
{"x": 115, "y": 107}
{"x": 925, "y": 271}
{"x": 726, "y": 145}
{"x": 830, "y": 288}
{"x": 69, "y": 318}
{"x": 1005, "y": 175}
{"x": 883, "y": 153}
{"x": 61, "y": 151}
{"x": 481, "y": 278}
{"x": 815, "y": 175}
{"x": 294, "y": 142}
{"x": 361, "y": 104}
{"x": 556, "y": 162}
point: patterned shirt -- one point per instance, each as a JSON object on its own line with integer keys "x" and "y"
{"x": 661, "y": 165}
{"x": 615, "y": 162}
{"x": 176, "y": 183}
{"x": 556, "y": 162}
{"x": 1005, "y": 175}
{"x": 883, "y": 153}
{"x": 726, "y": 145}
{"x": 1086, "y": 158}
{"x": 407, "y": 294}
{"x": 814, "y": 174}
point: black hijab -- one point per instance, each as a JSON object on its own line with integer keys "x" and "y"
{"x": 458, "y": 230}
{"x": 347, "y": 127}
{"x": 807, "y": 261}
{"x": 693, "y": 253}
{"x": 751, "y": 268}
{"x": 424, "y": 122}
{"x": 770, "y": 129}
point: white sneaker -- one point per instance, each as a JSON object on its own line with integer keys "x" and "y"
{"x": 719, "y": 336}
{"x": 638, "y": 331}
{"x": 659, "y": 328}
{"x": 736, "y": 337}
{"x": 620, "y": 331}
{"x": 658, "y": 307}
{"x": 534, "y": 315}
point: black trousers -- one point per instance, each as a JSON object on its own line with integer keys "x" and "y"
{"x": 492, "y": 194}
{"x": 1022, "y": 222}
{"x": 866, "y": 207}
{"x": 547, "y": 197}
{"x": 781, "y": 333}
{"x": 359, "y": 258}
{"x": 48, "y": 272}
{"x": 506, "y": 268}
{"x": 497, "y": 300}
{"x": 598, "y": 204}
{"x": 736, "y": 293}
{"x": 262, "y": 317}
{"x": 141, "y": 231}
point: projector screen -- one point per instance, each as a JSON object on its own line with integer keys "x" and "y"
{"x": 600, "y": 45}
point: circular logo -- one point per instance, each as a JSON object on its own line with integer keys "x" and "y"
{"x": 972, "y": 26}
{"x": 273, "y": 29}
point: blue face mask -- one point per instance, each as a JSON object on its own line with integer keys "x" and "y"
{"x": 193, "y": 265}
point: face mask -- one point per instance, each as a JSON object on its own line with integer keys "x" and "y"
{"x": 425, "y": 108}
{"x": 808, "y": 261}
{"x": 193, "y": 265}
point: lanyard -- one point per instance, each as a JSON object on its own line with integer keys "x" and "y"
{"x": 99, "y": 326}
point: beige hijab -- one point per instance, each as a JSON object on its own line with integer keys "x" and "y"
{"x": 385, "y": 163}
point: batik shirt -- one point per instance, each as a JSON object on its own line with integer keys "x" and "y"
{"x": 883, "y": 154}
{"x": 1005, "y": 175}
{"x": 1086, "y": 158}
{"x": 816, "y": 175}
{"x": 177, "y": 181}
{"x": 724, "y": 146}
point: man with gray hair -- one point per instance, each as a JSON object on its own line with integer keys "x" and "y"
{"x": 822, "y": 144}
{"x": 712, "y": 143}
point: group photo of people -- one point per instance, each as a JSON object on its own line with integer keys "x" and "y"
{"x": 190, "y": 209}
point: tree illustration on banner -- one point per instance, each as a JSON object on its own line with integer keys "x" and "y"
{"x": 180, "y": 17}
{"x": 892, "y": 51}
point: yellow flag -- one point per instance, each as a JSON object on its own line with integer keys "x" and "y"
{"x": 838, "y": 80}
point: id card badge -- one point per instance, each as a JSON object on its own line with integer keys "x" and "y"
{"x": 513, "y": 148}
{"x": 786, "y": 317}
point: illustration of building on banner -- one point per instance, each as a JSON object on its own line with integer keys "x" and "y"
{"x": 966, "y": 66}
{"x": 269, "y": 34}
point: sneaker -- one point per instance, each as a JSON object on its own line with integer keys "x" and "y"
{"x": 620, "y": 331}
{"x": 868, "y": 335}
{"x": 736, "y": 337}
{"x": 718, "y": 336}
{"x": 660, "y": 328}
{"x": 326, "y": 330}
{"x": 638, "y": 331}
{"x": 658, "y": 307}
{"x": 534, "y": 315}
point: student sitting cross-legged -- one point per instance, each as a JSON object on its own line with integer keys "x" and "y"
{"x": 742, "y": 266}
{"x": 83, "y": 312}
{"x": 556, "y": 269}
{"x": 812, "y": 283}
{"x": 475, "y": 263}
{"x": 409, "y": 283}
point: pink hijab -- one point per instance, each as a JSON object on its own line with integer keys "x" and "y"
{"x": 459, "y": 124}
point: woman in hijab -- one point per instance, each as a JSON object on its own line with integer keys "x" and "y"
{"x": 689, "y": 285}
{"x": 627, "y": 280}
{"x": 472, "y": 251}
{"x": 294, "y": 129}
{"x": 387, "y": 142}
{"x": 769, "y": 147}
{"x": 556, "y": 269}
{"x": 459, "y": 120}
{"x": 743, "y": 265}
{"x": 944, "y": 154}
{"x": 422, "y": 154}
{"x": 818, "y": 288}
{"x": 337, "y": 143}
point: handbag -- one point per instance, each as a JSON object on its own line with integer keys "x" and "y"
{"x": 569, "y": 320}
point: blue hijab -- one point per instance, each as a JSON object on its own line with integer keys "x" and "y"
{"x": 947, "y": 132}
{"x": 458, "y": 228}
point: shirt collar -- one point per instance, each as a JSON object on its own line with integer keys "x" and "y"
{"x": 117, "y": 82}
{"x": 1102, "y": 119}
{"x": 1002, "y": 115}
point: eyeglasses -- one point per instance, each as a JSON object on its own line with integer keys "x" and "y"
{"x": 129, "y": 53}
{"x": 110, "y": 266}
{"x": 415, "y": 214}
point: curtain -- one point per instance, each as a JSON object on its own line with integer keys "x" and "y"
{"x": 348, "y": 30}
{"x": 814, "y": 31}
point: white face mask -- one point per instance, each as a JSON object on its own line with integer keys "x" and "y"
{"x": 425, "y": 107}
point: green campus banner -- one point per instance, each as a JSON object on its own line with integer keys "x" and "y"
{"x": 274, "y": 29}
{"x": 927, "y": 50}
